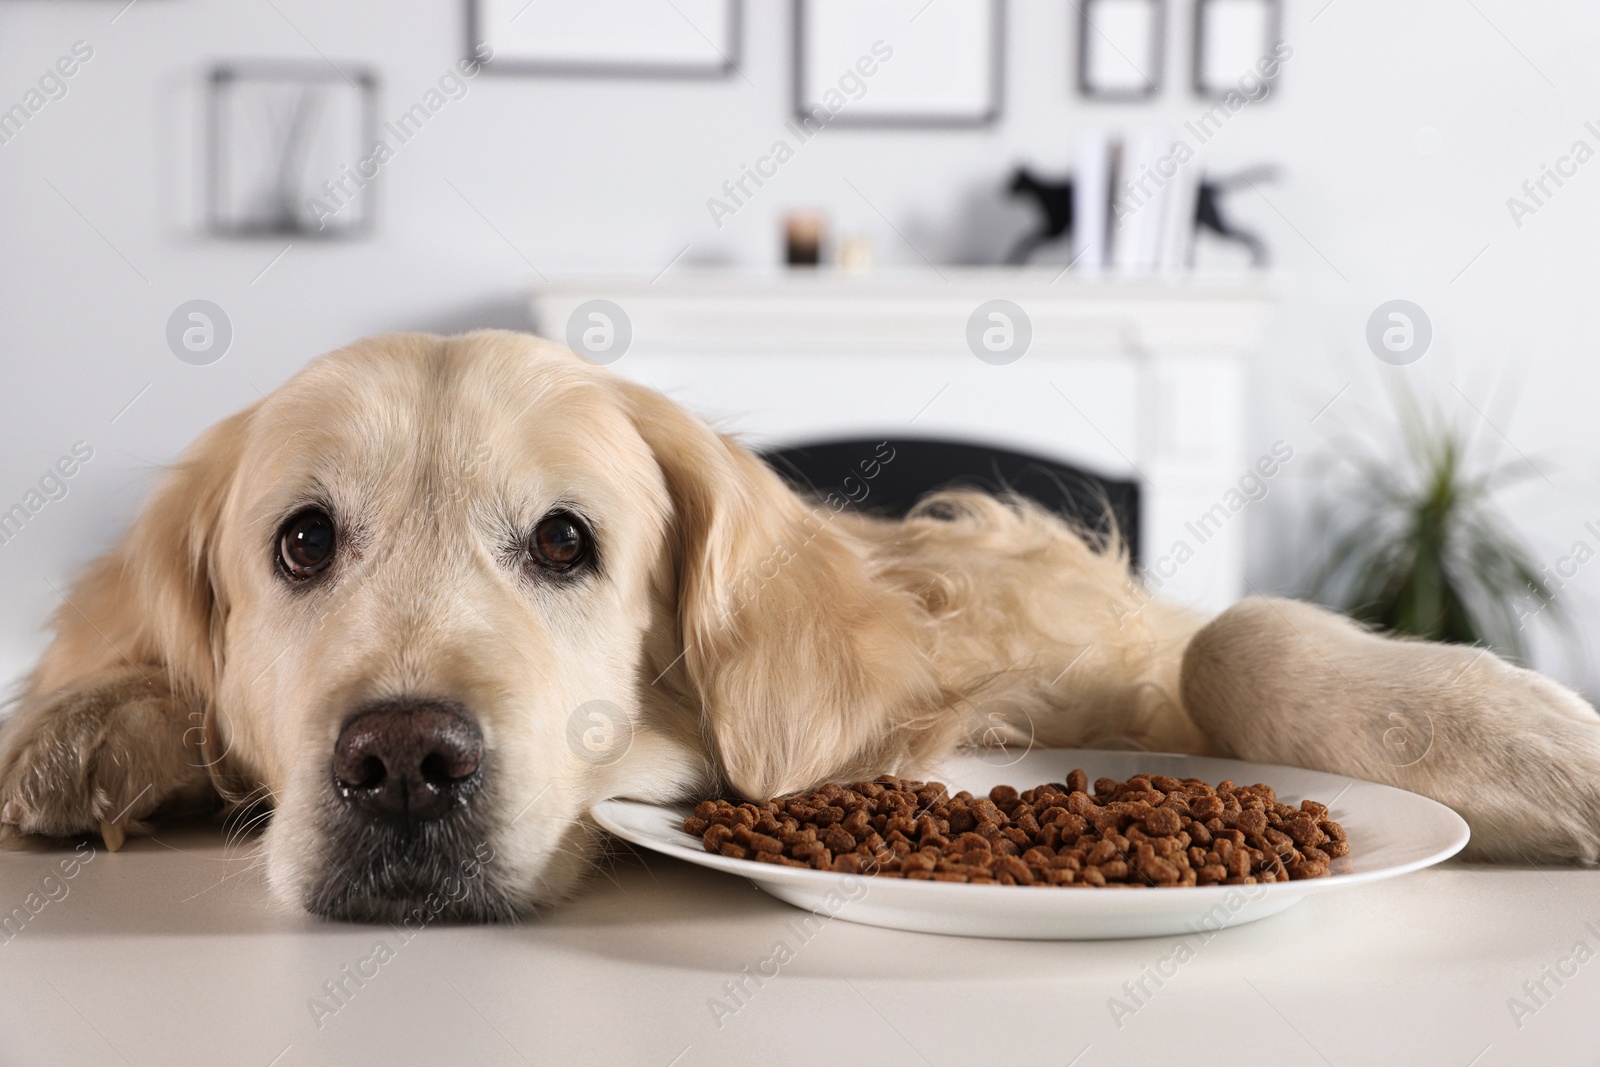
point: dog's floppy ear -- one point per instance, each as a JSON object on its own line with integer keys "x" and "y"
{"x": 152, "y": 602}
{"x": 805, "y": 665}
{"x": 117, "y": 719}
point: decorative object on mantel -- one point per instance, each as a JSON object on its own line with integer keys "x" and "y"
{"x": 1154, "y": 216}
{"x": 856, "y": 254}
{"x": 1233, "y": 39}
{"x": 1152, "y": 209}
{"x": 287, "y": 141}
{"x": 1054, "y": 200}
{"x": 608, "y": 38}
{"x": 1121, "y": 48}
{"x": 1093, "y": 161}
{"x": 803, "y": 233}
{"x": 898, "y": 62}
{"x": 1208, "y": 211}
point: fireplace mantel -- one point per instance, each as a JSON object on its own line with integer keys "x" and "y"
{"x": 1131, "y": 379}
{"x": 923, "y": 311}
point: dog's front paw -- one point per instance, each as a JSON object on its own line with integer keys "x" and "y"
{"x": 95, "y": 758}
{"x": 1514, "y": 753}
{"x": 1525, "y": 759}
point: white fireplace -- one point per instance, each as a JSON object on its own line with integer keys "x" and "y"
{"x": 1140, "y": 380}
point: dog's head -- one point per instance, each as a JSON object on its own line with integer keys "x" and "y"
{"x": 435, "y": 597}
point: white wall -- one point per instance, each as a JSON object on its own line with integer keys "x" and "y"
{"x": 1401, "y": 130}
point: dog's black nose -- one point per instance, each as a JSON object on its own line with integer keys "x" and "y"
{"x": 409, "y": 761}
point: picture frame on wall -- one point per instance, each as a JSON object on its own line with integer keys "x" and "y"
{"x": 289, "y": 150}
{"x": 606, "y": 38}
{"x": 1233, "y": 38}
{"x": 899, "y": 62}
{"x": 1121, "y": 49}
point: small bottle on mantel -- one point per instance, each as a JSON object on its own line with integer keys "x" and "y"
{"x": 802, "y": 238}
{"x": 855, "y": 254}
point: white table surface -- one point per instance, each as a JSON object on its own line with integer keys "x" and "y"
{"x": 169, "y": 952}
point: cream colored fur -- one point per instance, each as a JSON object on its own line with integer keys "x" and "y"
{"x": 756, "y": 639}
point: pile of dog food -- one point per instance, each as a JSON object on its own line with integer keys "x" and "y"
{"x": 1151, "y": 830}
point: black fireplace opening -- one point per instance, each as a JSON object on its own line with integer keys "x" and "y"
{"x": 889, "y": 476}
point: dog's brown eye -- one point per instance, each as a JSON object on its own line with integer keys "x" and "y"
{"x": 560, "y": 542}
{"x": 306, "y": 544}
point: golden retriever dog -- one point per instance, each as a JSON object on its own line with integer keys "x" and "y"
{"x": 387, "y": 598}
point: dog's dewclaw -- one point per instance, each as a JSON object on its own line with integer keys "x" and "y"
{"x": 112, "y": 834}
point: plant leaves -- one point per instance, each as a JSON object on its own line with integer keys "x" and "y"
{"x": 1425, "y": 552}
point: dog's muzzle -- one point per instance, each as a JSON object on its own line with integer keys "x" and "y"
{"x": 410, "y": 818}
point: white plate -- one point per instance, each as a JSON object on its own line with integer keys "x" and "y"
{"x": 1391, "y": 832}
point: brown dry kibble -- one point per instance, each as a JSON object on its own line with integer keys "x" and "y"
{"x": 1151, "y": 830}
{"x": 1252, "y": 822}
{"x": 1163, "y": 822}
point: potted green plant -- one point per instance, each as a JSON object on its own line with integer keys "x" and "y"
{"x": 1425, "y": 551}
